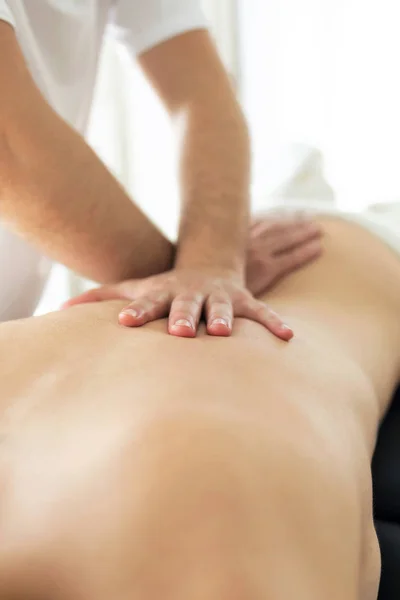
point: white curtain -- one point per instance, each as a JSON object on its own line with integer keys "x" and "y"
{"x": 325, "y": 73}
{"x": 310, "y": 73}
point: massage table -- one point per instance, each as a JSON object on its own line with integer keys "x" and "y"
{"x": 386, "y": 483}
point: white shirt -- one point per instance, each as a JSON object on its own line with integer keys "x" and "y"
{"x": 61, "y": 42}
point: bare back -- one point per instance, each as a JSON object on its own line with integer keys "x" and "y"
{"x": 343, "y": 308}
{"x": 76, "y": 388}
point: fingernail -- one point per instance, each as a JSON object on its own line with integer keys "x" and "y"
{"x": 131, "y": 312}
{"x": 220, "y": 322}
{"x": 285, "y": 327}
{"x": 183, "y": 323}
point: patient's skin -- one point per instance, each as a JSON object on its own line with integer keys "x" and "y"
{"x": 136, "y": 465}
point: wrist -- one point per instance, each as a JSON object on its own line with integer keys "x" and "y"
{"x": 217, "y": 265}
{"x": 205, "y": 256}
{"x": 214, "y": 239}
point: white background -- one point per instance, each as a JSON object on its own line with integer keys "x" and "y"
{"x": 318, "y": 72}
{"x": 326, "y": 72}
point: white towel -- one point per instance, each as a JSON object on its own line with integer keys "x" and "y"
{"x": 305, "y": 189}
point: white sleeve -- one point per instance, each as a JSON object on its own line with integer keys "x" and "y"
{"x": 5, "y": 13}
{"x": 143, "y": 24}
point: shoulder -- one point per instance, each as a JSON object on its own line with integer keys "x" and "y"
{"x": 143, "y": 25}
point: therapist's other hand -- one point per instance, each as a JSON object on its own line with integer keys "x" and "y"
{"x": 277, "y": 246}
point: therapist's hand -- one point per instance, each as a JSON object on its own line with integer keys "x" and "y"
{"x": 277, "y": 246}
{"x": 184, "y": 295}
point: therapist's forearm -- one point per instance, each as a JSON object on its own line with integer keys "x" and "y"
{"x": 56, "y": 193}
{"x": 59, "y": 196}
{"x": 215, "y": 177}
{"x": 195, "y": 88}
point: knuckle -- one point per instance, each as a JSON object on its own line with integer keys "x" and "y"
{"x": 189, "y": 298}
{"x": 162, "y": 297}
{"x": 244, "y": 297}
{"x": 260, "y": 310}
{"x": 271, "y": 316}
{"x": 219, "y": 299}
{"x": 144, "y": 303}
{"x": 136, "y": 304}
{"x": 243, "y": 304}
{"x": 183, "y": 306}
{"x": 219, "y": 306}
{"x": 157, "y": 290}
{"x": 298, "y": 256}
{"x": 126, "y": 288}
{"x": 263, "y": 312}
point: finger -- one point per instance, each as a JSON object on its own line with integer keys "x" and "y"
{"x": 269, "y": 224}
{"x": 285, "y": 234}
{"x": 147, "y": 308}
{"x": 260, "y": 313}
{"x": 97, "y": 295}
{"x": 276, "y": 220}
{"x": 298, "y": 257}
{"x": 289, "y": 234}
{"x": 219, "y": 314}
{"x": 185, "y": 315}
{"x": 295, "y": 236}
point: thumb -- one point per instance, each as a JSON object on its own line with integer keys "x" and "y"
{"x": 101, "y": 294}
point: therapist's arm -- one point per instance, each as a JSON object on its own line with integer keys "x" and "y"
{"x": 209, "y": 271}
{"x": 214, "y": 150}
{"x": 209, "y": 274}
{"x": 56, "y": 193}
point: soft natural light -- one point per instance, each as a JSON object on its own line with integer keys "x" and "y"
{"x": 316, "y": 72}
{"x": 325, "y": 72}
{"x": 130, "y": 131}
